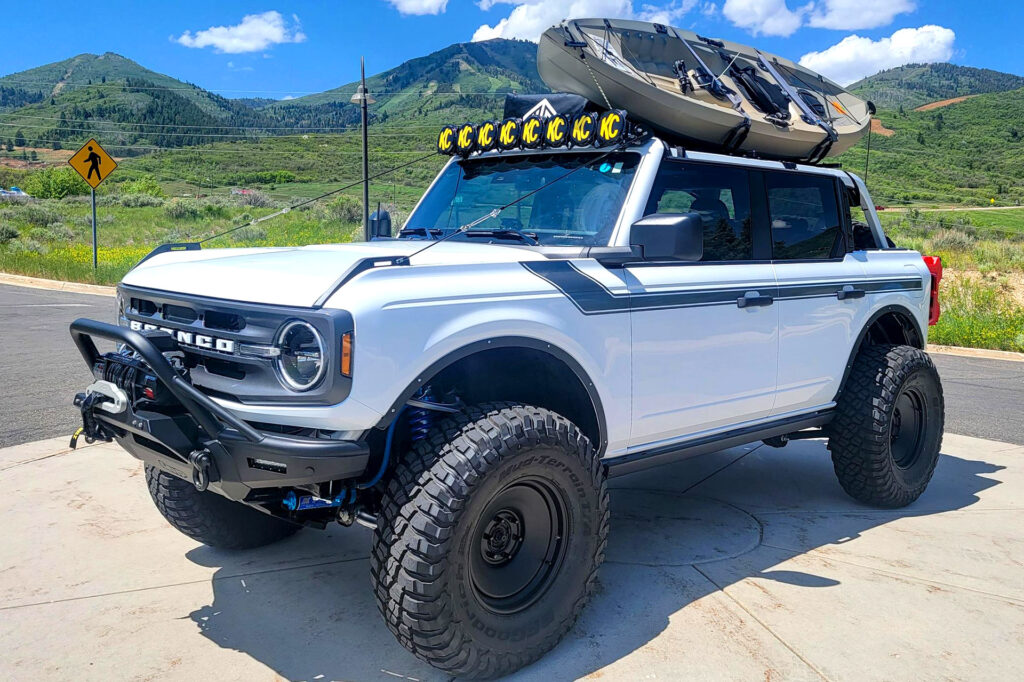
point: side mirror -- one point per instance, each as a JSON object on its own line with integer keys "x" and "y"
{"x": 669, "y": 236}
{"x": 380, "y": 224}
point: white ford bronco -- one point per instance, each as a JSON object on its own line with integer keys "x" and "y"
{"x": 548, "y": 316}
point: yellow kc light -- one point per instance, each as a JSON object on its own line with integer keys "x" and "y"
{"x": 583, "y": 128}
{"x": 465, "y": 139}
{"x": 446, "y": 140}
{"x": 588, "y": 128}
{"x": 533, "y": 132}
{"x": 487, "y": 136}
{"x": 555, "y": 130}
{"x": 508, "y": 133}
{"x": 611, "y": 126}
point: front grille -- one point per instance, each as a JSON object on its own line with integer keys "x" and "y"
{"x": 211, "y": 332}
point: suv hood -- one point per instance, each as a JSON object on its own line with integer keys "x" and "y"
{"x": 296, "y": 276}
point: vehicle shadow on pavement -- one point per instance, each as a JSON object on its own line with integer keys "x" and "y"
{"x": 680, "y": 535}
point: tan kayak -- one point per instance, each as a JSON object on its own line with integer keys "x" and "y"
{"x": 706, "y": 92}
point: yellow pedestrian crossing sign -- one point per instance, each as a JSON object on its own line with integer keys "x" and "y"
{"x": 93, "y": 163}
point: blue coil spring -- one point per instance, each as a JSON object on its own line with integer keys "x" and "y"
{"x": 421, "y": 419}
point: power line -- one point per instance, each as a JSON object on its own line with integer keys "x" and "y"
{"x": 322, "y": 196}
{"x": 221, "y": 151}
{"x": 170, "y": 134}
{"x": 175, "y": 125}
{"x": 121, "y": 85}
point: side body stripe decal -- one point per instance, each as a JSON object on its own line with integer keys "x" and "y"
{"x": 593, "y": 298}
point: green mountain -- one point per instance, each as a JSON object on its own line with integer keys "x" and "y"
{"x": 465, "y": 80}
{"x": 130, "y": 107}
{"x": 913, "y": 85}
{"x": 116, "y": 100}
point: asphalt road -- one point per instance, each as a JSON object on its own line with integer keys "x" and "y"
{"x": 40, "y": 372}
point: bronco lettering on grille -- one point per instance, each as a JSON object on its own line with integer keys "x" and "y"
{"x": 189, "y": 338}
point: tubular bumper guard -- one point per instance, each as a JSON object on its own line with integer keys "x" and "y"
{"x": 204, "y": 442}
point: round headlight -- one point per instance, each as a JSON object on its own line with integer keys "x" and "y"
{"x": 303, "y": 358}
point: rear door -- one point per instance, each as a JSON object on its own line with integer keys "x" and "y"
{"x": 701, "y": 362}
{"x": 823, "y": 291}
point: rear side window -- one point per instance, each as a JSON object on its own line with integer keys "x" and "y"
{"x": 804, "y": 216}
{"x": 719, "y": 195}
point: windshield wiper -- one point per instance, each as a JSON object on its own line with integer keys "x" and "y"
{"x": 506, "y": 233}
{"x": 432, "y": 232}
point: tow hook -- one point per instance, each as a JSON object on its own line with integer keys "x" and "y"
{"x": 201, "y": 462}
{"x": 91, "y": 427}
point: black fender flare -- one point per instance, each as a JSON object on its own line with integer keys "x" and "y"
{"x": 450, "y": 359}
{"x": 902, "y": 311}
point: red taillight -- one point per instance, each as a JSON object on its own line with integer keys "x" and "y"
{"x": 934, "y": 264}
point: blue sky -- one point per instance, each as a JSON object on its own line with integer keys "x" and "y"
{"x": 279, "y": 48}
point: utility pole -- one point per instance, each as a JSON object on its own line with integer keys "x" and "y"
{"x": 364, "y": 98}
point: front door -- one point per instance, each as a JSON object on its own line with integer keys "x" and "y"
{"x": 705, "y": 334}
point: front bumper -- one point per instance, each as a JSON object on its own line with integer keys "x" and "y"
{"x": 239, "y": 460}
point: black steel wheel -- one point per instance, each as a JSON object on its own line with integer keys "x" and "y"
{"x": 489, "y": 539}
{"x": 887, "y": 433}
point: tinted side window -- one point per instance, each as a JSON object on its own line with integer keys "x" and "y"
{"x": 720, "y": 195}
{"x": 804, "y": 216}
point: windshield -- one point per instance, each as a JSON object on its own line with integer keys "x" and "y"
{"x": 578, "y": 210}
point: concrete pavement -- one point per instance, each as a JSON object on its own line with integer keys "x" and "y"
{"x": 750, "y": 564}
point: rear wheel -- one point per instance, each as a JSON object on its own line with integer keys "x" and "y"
{"x": 886, "y": 436}
{"x": 211, "y": 519}
{"x": 489, "y": 540}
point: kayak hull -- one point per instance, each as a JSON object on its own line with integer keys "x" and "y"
{"x": 634, "y": 74}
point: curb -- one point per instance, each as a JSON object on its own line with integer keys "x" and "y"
{"x": 976, "y": 353}
{"x": 56, "y": 285}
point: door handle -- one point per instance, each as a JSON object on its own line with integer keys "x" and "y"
{"x": 754, "y": 299}
{"x": 849, "y": 292}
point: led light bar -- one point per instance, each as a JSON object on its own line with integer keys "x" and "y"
{"x": 604, "y": 129}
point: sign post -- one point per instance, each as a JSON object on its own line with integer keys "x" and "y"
{"x": 94, "y": 165}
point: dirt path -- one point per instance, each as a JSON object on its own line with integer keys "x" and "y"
{"x": 943, "y": 103}
{"x": 879, "y": 129}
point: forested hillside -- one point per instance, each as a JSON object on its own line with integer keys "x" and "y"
{"x": 912, "y": 85}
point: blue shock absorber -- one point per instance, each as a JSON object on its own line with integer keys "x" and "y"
{"x": 420, "y": 418}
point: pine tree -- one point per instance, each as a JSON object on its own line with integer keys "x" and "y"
{"x": 19, "y": 138}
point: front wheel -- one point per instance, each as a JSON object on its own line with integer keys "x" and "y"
{"x": 489, "y": 540}
{"x": 886, "y": 436}
{"x": 211, "y": 519}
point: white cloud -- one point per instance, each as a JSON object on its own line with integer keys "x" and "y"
{"x": 855, "y": 57}
{"x": 255, "y": 32}
{"x": 764, "y": 17}
{"x": 419, "y": 6}
{"x": 529, "y": 18}
{"x": 848, "y": 15}
{"x": 709, "y": 9}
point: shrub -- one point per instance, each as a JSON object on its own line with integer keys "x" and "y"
{"x": 184, "y": 209}
{"x": 257, "y": 199}
{"x": 28, "y": 246}
{"x": 345, "y": 209}
{"x": 34, "y": 214}
{"x": 7, "y": 234}
{"x": 55, "y": 183}
{"x": 950, "y": 240}
{"x": 249, "y": 233}
{"x": 140, "y": 200}
{"x": 57, "y": 232}
{"x": 146, "y": 185}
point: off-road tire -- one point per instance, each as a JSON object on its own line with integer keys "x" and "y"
{"x": 211, "y": 519}
{"x": 865, "y": 433}
{"x": 423, "y": 563}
